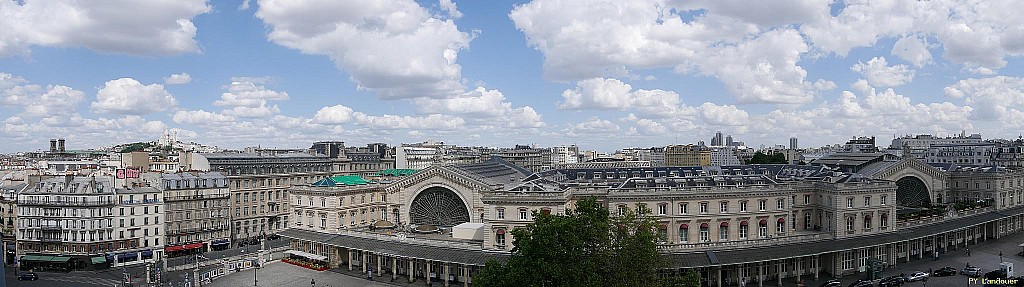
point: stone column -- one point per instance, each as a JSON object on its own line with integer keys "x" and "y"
{"x": 719, "y": 277}
{"x": 779, "y": 270}
{"x": 446, "y": 274}
{"x": 394, "y": 268}
{"x": 907, "y": 249}
{"x": 893, "y": 254}
{"x": 350, "y": 260}
{"x": 428, "y": 271}
{"x": 465, "y": 281}
{"x": 799, "y": 268}
{"x": 817, "y": 265}
{"x": 412, "y": 271}
{"x": 380, "y": 263}
{"x": 760, "y": 274}
{"x": 920, "y": 248}
{"x": 362, "y": 260}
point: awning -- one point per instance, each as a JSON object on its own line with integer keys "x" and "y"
{"x": 500, "y": 231}
{"x": 764, "y": 222}
{"x": 99, "y": 260}
{"x": 193, "y": 245}
{"x": 725, "y": 224}
{"x": 124, "y": 256}
{"x": 743, "y": 223}
{"x": 221, "y": 242}
{"x": 868, "y": 216}
{"x": 34, "y": 258}
{"x": 684, "y": 226}
{"x": 383, "y": 224}
{"x": 307, "y": 255}
{"x": 58, "y": 259}
{"x": 782, "y": 219}
{"x": 173, "y": 248}
{"x": 147, "y": 253}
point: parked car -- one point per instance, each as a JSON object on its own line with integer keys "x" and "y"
{"x": 274, "y": 237}
{"x": 944, "y": 271}
{"x": 31, "y": 276}
{"x": 891, "y": 281}
{"x": 861, "y": 283}
{"x": 831, "y": 283}
{"x": 916, "y": 276}
{"x": 971, "y": 271}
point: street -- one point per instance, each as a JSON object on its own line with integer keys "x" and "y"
{"x": 284, "y": 274}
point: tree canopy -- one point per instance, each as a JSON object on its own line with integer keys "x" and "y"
{"x": 761, "y": 158}
{"x": 584, "y": 247}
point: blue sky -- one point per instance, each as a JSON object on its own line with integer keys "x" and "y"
{"x": 601, "y": 74}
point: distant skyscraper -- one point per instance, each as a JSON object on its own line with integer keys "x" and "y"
{"x": 728, "y": 140}
{"x": 717, "y": 140}
{"x": 792, "y": 143}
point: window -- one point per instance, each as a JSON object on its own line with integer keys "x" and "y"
{"x": 807, "y": 199}
{"x": 704, "y": 234}
{"x": 780, "y": 227}
{"x": 847, "y": 259}
{"x": 780, "y": 204}
{"x": 743, "y": 206}
{"x": 499, "y": 238}
{"x": 682, "y": 208}
{"x": 882, "y": 199}
{"x": 849, "y": 202}
{"x": 867, "y": 201}
{"x": 849, "y": 223}
{"x": 867, "y": 221}
{"x": 883, "y": 221}
{"x": 323, "y": 221}
{"x": 622, "y": 210}
{"x": 684, "y": 233}
{"x": 703, "y": 207}
{"x": 762, "y": 229}
{"x": 522, "y": 214}
{"x": 724, "y": 207}
{"x": 723, "y": 233}
{"x": 501, "y": 213}
{"x": 807, "y": 220}
{"x": 761, "y": 205}
{"x": 662, "y": 208}
{"x": 743, "y": 231}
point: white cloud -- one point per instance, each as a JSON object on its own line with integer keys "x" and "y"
{"x": 391, "y": 122}
{"x": 248, "y": 92}
{"x": 974, "y": 33}
{"x": 594, "y": 125}
{"x": 880, "y": 74}
{"x": 488, "y": 106}
{"x": 612, "y": 94}
{"x": 200, "y": 117}
{"x": 128, "y": 96}
{"x": 178, "y": 79}
{"x": 913, "y": 49}
{"x": 245, "y": 5}
{"x": 259, "y": 111}
{"x": 333, "y": 115}
{"x": 373, "y": 43}
{"x": 726, "y": 115}
{"x": 992, "y": 98}
{"x": 138, "y": 28}
{"x": 763, "y": 69}
{"x": 451, "y": 8}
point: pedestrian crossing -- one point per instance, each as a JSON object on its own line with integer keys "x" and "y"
{"x": 79, "y": 280}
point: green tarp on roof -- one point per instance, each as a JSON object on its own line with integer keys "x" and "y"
{"x": 33, "y": 258}
{"x": 396, "y": 172}
{"x": 99, "y": 260}
{"x": 341, "y": 181}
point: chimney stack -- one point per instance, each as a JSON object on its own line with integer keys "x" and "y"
{"x": 60, "y": 145}
{"x": 53, "y": 145}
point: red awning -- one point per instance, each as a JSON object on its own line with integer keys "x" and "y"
{"x": 193, "y": 245}
{"x": 704, "y": 225}
{"x": 684, "y": 226}
{"x": 764, "y": 222}
{"x": 867, "y": 217}
{"x": 743, "y": 223}
{"x": 782, "y": 219}
{"x": 500, "y": 231}
{"x": 172, "y": 248}
{"x": 725, "y": 224}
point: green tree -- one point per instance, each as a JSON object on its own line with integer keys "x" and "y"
{"x": 584, "y": 247}
{"x": 762, "y": 158}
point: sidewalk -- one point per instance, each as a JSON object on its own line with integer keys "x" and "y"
{"x": 402, "y": 280}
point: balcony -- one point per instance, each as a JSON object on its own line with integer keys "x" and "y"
{"x": 66, "y": 202}
{"x": 51, "y": 239}
{"x": 50, "y": 227}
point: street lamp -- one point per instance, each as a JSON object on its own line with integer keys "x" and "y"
{"x": 255, "y": 282}
{"x": 1000, "y": 256}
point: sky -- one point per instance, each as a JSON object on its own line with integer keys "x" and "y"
{"x": 601, "y": 74}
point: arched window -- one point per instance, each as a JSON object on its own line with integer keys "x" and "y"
{"x": 762, "y": 228}
{"x": 704, "y": 232}
{"x": 499, "y": 237}
{"x": 684, "y": 233}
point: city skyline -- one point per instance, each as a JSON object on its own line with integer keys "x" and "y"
{"x": 603, "y": 75}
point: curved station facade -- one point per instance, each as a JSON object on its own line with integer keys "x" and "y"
{"x": 757, "y": 223}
